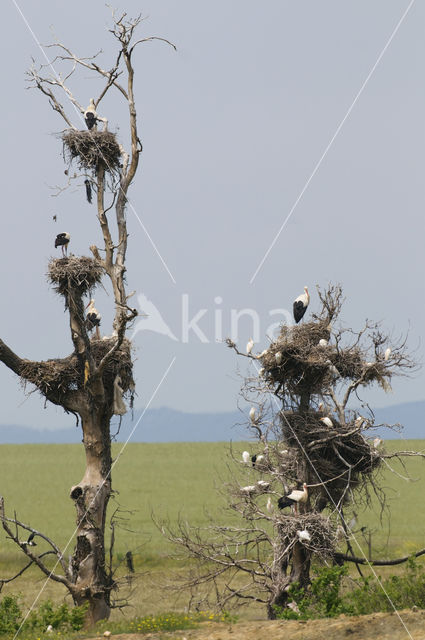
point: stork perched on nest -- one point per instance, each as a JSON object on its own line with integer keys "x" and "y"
{"x": 93, "y": 318}
{"x": 292, "y": 499}
{"x": 300, "y": 305}
{"x": 62, "y": 240}
{"x": 91, "y": 116}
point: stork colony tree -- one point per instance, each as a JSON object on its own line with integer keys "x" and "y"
{"x": 306, "y": 433}
{"x": 92, "y": 381}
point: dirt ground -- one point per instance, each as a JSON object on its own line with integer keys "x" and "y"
{"x": 378, "y": 626}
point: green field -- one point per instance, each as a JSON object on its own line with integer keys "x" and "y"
{"x": 170, "y": 480}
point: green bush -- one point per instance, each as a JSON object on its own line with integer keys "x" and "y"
{"x": 324, "y": 597}
{"x": 321, "y": 600}
{"x": 10, "y": 615}
{"x": 403, "y": 591}
{"x": 62, "y": 617}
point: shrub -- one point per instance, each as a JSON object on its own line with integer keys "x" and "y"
{"x": 321, "y": 600}
{"x": 61, "y": 617}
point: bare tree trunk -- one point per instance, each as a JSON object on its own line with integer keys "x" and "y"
{"x": 91, "y": 496}
{"x": 300, "y": 560}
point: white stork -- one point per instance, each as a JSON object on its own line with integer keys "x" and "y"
{"x": 249, "y": 489}
{"x": 278, "y": 357}
{"x": 90, "y": 115}
{"x": 246, "y": 457}
{"x": 62, "y": 240}
{"x": 253, "y": 415}
{"x": 377, "y": 442}
{"x": 249, "y": 346}
{"x": 292, "y": 499}
{"x": 327, "y": 421}
{"x": 304, "y": 536}
{"x": 93, "y": 318}
{"x": 323, "y": 343}
{"x": 300, "y": 305}
{"x": 387, "y": 354}
{"x": 359, "y": 421}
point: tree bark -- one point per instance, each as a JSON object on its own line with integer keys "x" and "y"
{"x": 91, "y": 496}
{"x": 300, "y": 573}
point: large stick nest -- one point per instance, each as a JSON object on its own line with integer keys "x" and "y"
{"x": 307, "y": 366}
{"x": 91, "y": 148}
{"x": 61, "y": 376}
{"x": 322, "y": 532}
{"x": 336, "y": 454}
{"x": 80, "y": 274}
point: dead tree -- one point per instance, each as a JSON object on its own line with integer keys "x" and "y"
{"x": 311, "y": 427}
{"x": 91, "y": 382}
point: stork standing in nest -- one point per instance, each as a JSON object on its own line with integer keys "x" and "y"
{"x": 292, "y": 499}
{"x": 93, "y": 318}
{"x": 62, "y": 240}
{"x": 300, "y": 305}
{"x": 90, "y": 115}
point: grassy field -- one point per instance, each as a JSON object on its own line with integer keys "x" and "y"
{"x": 170, "y": 480}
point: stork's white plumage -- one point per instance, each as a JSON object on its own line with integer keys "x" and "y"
{"x": 323, "y": 343}
{"x": 62, "y": 240}
{"x": 249, "y": 489}
{"x": 387, "y": 354}
{"x": 293, "y": 498}
{"x": 90, "y": 115}
{"x": 332, "y": 368}
{"x": 261, "y": 372}
{"x": 93, "y": 318}
{"x": 263, "y": 484}
{"x": 253, "y": 415}
{"x": 304, "y": 536}
{"x": 278, "y": 357}
{"x": 327, "y": 421}
{"x": 300, "y": 305}
{"x": 359, "y": 421}
{"x": 269, "y": 505}
{"x": 377, "y": 442}
{"x": 246, "y": 457}
{"x": 249, "y": 346}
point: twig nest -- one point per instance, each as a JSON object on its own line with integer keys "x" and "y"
{"x": 319, "y": 528}
{"x": 335, "y": 453}
{"x": 298, "y": 360}
{"x": 90, "y": 148}
{"x": 77, "y": 272}
{"x": 62, "y": 375}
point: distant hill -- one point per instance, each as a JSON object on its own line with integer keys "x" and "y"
{"x": 168, "y": 425}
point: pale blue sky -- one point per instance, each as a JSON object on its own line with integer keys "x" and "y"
{"x": 233, "y": 124}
